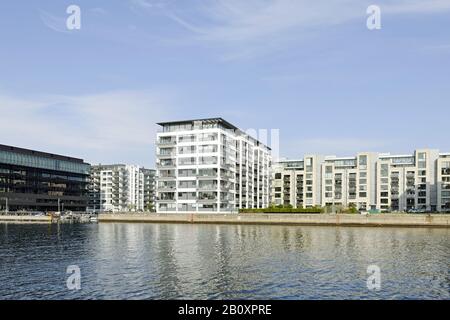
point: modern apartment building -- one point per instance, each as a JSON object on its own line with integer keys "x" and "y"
{"x": 210, "y": 166}
{"x": 367, "y": 181}
{"x": 120, "y": 187}
{"x": 349, "y": 181}
{"x": 39, "y": 181}
{"x": 443, "y": 182}
{"x": 297, "y": 182}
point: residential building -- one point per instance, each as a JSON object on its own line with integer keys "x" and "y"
{"x": 367, "y": 181}
{"x": 297, "y": 182}
{"x": 210, "y": 166}
{"x": 443, "y": 182}
{"x": 349, "y": 182}
{"x": 39, "y": 181}
{"x": 120, "y": 187}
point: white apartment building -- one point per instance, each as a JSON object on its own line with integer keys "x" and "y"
{"x": 210, "y": 166}
{"x": 368, "y": 181}
{"x": 443, "y": 182}
{"x": 349, "y": 181}
{"x": 297, "y": 182}
{"x": 120, "y": 187}
{"x": 408, "y": 181}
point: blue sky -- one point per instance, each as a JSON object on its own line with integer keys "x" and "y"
{"x": 309, "y": 68}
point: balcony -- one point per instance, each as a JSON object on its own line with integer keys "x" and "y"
{"x": 166, "y": 177}
{"x": 204, "y": 199}
{"x": 166, "y": 166}
{"x": 166, "y": 142}
{"x": 166, "y": 199}
{"x": 202, "y": 176}
{"x": 211, "y": 187}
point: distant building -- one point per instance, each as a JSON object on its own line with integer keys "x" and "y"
{"x": 366, "y": 181}
{"x": 210, "y": 166}
{"x": 39, "y": 181}
{"x": 120, "y": 187}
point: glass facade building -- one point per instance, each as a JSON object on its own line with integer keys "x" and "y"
{"x": 37, "y": 181}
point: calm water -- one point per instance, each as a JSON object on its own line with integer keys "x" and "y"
{"x": 170, "y": 261}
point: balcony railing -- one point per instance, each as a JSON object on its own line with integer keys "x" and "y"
{"x": 171, "y": 142}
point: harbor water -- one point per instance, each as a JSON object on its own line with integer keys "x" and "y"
{"x": 189, "y": 261}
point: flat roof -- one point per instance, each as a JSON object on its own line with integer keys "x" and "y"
{"x": 397, "y": 156}
{"x": 220, "y": 120}
{"x": 334, "y": 158}
{"x": 39, "y": 153}
{"x": 225, "y": 123}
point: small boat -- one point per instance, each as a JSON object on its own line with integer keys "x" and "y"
{"x": 93, "y": 219}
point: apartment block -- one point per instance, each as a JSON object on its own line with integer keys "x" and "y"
{"x": 210, "y": 166}
{"x": 297, "y": 182}
{"x": 349, "y": 181}
{"x": 443, "y": 182}
{"x": 120, "y": 187}
{"x": 367, "y": 181}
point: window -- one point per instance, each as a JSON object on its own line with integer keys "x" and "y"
{"x": 363, "y": 162}
{"x": 384, "y": 170}
{"x": 278, "y": 176}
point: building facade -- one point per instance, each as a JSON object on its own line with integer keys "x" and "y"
{"x": 367, "y": 181}
{"x": 443, "y": 182}
{"x": 210, "y": 166}
{"x": 38, "y": 181}
{"x": 297, "y": 182}
{"x": 349, "y": 182}
{"x": 119, "y": 187}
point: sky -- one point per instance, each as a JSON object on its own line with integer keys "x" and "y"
{"x": 311, "y": 69}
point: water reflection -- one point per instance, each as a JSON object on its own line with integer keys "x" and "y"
{"x": 170, "y": 261}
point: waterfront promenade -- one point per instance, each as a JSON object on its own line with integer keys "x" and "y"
{"x": 381, "y": 220}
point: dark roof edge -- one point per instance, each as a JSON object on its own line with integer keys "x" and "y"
{"x": 39, "y": 153}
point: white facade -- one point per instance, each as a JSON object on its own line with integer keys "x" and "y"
{"x": 350, "y": 181}
{"x": 297, "y": 182}
{"x": 368, "y": 181}
{"x": 210, "y": 166}
{"x": 443, "y": 182}
{"x": 121, "y": 188}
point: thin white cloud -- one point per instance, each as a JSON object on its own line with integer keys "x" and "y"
{"x": 251, "y": 25}
{"x": 106, "y": 127}
{"x": 54, "y": 23}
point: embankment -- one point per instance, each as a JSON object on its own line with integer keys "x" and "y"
{"x": 378, "y": 220}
